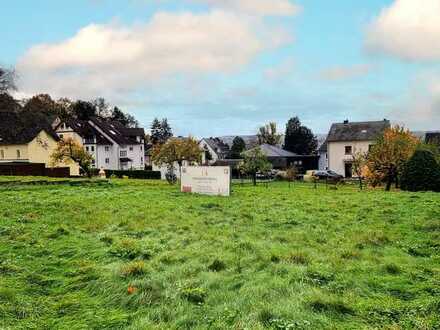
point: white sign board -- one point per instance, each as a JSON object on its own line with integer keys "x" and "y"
{"x": 206, "y": 180}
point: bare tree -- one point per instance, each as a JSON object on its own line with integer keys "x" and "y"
{"x": 359, "y": 162}
{"x": 7, "y": 80}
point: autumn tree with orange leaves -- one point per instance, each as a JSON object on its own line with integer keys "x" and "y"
{"x": 388, "y": 156}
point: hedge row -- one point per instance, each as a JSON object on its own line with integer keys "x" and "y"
{"x": 146, "y": 175}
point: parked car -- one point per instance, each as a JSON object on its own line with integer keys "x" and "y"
{"x": 328, "y": 175}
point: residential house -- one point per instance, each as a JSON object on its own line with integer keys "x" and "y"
{"x": 282, "y": 159}
{"x": 112, "y": 145}
{"x": 214, "y": 149}
{"x": 347, "y": 138}
{"x": 28, "y": 142}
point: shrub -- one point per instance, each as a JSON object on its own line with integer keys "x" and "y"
{"x": 145, "y": 175}
{"x": 421, "y": 172}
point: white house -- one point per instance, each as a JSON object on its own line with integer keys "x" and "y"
{"x": 113, "y": 146}
{"x": 347, "y": 138}
{"x": 214, "y": 149}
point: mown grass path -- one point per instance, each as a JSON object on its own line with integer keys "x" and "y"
{"x": 140, "y": 255}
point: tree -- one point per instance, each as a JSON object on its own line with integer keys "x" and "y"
{"x": 102, "y": 107}
{"x": 177, "y": 150}
{"x": 83, "y": 110}
{"x": 238, "y": 146}
{"x": 8, "y": 103}
{"x": 299, "y": 139}
{"x": 41, "y": 103}
{"x": 124, "y": 118}
{"x": 69, "y": 150}
{"x": 268, "y": 135}
{"x": 254, "y": 162}
{"x": 160, "y": 131}
{"x": 421, "y": 172}
{"x": 7, "y": 80}
{"x": 389, "y": 154}
{"x": 359, "y": 162}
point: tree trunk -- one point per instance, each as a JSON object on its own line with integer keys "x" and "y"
{"x": 389, "y": 183}
{"x": 360, "y": 183}
{"x": 254, "y": 179}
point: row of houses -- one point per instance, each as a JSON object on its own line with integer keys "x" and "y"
{"x": 115, "y": 147}
{"x": 111, "y": 145}
{"x": 335, "y": 149}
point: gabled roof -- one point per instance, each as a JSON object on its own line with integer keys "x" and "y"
{"x": 87, "y": 131}
{"x": 218, "y": 146}
{"x": 117, "y": 132}
{"x": 22, "y": 128}
{"x": 357, "y": 131}
{"x": 274, "y": 151}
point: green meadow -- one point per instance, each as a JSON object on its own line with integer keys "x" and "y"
{"x": 141, "y": 255}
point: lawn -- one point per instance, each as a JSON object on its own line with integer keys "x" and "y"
{"x": 141, "y": 255}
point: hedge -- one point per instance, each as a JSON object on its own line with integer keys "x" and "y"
{"x": 145, "y": 175}
{"x": 421, "y": 172}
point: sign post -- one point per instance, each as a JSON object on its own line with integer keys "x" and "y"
{"x": 206, "y": 180}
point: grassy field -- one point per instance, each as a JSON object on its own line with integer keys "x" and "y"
{"x": 140, "y": 255}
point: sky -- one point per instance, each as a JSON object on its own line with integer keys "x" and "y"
{"x": 226, "y": 67}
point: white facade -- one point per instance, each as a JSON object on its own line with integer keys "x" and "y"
{"x": 340, "y": 155}
{"x": 108, "y": 156}
{"x": 207, "y": 148}
{"x": 323, "y": 161}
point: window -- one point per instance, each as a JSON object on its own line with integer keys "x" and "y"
{"x": 348, "y": 150}
{"x": 107, "y": 160}
{"x": 370, "y": 147}
{"x": 123, "y": 153}
{"x": 2, "y": 154}
{"x": 92, "y": 148}
{"x": 141, "y": 148}
{"x": 142, "y": 159}
{"x": 93, "y": 162}
{"x": 61, "y": 136}
{"x": 131, "y": 148}
{"x": 18, "y": 154}
{"x": 87, "y": 148}
{"x": 107, "y": 148}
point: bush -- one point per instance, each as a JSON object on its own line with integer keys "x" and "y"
{"x": 145, "y": 175}
{"x": 421, "y": 172}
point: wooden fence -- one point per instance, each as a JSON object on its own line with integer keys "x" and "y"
{"x": 33, "y": 169}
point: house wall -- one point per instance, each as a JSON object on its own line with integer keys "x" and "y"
{"x": 323, "y": 161}
{"x": 38, "y": 150}
{"x": 137, "y": 155}
{"x": 337, "y": 157}
{"x": 203, "y": 146}
{"x": 8, "y": 153}
{"x": 41, "y": 148}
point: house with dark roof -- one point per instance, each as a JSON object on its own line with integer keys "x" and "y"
{"x": 27, "y": 139}
{"x": 347, "y": 138}
{"x": 214, "y": 149}
{"x": 282, "y": 159}
{"x": 112, "y": 145}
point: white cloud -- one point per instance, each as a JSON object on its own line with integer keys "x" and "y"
{"x": 420, "y": 109}
{"x": 281, "y": 71}
{"x": 345, "y": 72}
{"x": 113, "y": 59}
{"x": 256, "y": 7}
{"x": 408, "y": 29}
